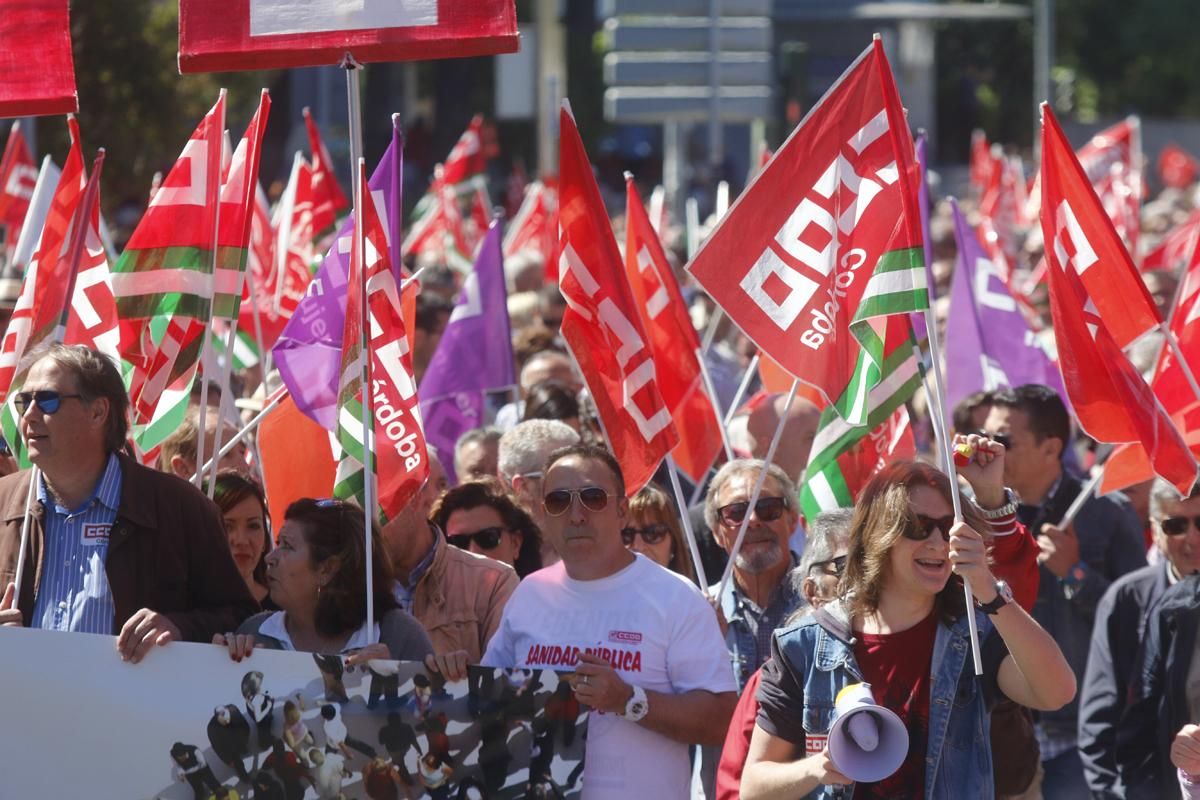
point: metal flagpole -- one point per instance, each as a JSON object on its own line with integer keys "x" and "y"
{"x": 246, "y": 430}
{"x": 688, "y": 533}
{"x": 352, "y": 68}
{"x": 942, "y": 433}
{"x": 747, "y": 377}
{"x": 206, "y": 346}
{"x": 1084, "y": 495}
{"x": 758, "y": 485}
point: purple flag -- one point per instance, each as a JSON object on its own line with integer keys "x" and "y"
{"x": 309, "y": 351}
{"x": 473, "y": 357}
{"x": 988, "y": 342}
{"x": 920, "y": 332}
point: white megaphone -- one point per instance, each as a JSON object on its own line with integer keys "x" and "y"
{"x": 867, "y": 742}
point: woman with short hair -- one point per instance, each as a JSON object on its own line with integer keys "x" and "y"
{"x": 317, "y": 576}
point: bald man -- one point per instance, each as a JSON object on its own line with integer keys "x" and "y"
{"x": 792, "y": 453}
{"x": 544, "y": 366}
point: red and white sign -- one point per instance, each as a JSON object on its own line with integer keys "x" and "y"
{"x": 222, "y": 35}
{"x": 35, "y": 61}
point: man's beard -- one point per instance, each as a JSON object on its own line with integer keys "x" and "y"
{"x": 761, "y": 560}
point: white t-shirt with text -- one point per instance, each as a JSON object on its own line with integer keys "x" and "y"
{"x": 657, "y": 631}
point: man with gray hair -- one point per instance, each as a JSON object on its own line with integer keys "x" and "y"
{"x": 476, "y": 453}
{"x": 523, "y": 453}
{"x": 766, "y": 587}
{"x": 1121, "y": 618}
{"x": 825, "y": 555}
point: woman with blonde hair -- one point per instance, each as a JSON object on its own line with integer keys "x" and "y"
{"x": 901, "y": 626}
{"x": 655, "y": 532}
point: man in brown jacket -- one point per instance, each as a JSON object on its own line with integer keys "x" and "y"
{"x": 114, "y": 547}
{"x": 457, "y": 596}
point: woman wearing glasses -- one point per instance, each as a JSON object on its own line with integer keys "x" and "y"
{"x": 479, "y": 517}
{"x": 655, "y": 532}
{"x": 317, "y": 577}
{"x": 901, "y": 626}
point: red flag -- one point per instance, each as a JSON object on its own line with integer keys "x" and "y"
{"x": 223, "y": 35}
{"x": 327, "y": 196}
{"x": 39, "y": 76}
{"x": 18, "y": 175}
{"x": 43, "y": 294}
{"x": 400, "y": 459}
{"x": 830, "y": 223}
{"x": 1176, "y": 167}
{"x": 467, "y": 159}
{"x": 1111, "y": 161}
{"x": 1075, "y": 221}
{"x": 533, "y": 226}
{"x": 1111, "y": 401}
{"x": 1003, "y": 203}
{"x": 892, "y": 440}
{"x": 673, "y": 341}
{"x": 602, "y": 325}
{"x": 1176, "y": 247}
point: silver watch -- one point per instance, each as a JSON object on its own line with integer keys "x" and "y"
{"x": 638, "y": 706}
{"x": 1009, "y": 507}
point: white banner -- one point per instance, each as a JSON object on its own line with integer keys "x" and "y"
{"x": 188, "y": 722}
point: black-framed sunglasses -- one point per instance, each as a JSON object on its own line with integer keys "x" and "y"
{"x": 1178, "y": 526}
{"x": 923, "y": 527}
{"x": 651, "y": 534}
{"x": 486, "y": 538}
{"x": 47, "y": 401}
{"x": 557, "y": 502}
{"x": 838, "y": 564}
{"x": 767, "y": 509}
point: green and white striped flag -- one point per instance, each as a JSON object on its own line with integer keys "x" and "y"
{"x": 834, "y": 473}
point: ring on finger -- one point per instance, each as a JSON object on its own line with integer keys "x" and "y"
{"x": 584, "y": 680}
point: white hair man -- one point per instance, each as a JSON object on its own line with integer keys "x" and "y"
{"x": 523, "y": 454}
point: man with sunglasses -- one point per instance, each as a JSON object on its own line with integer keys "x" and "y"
{"x": 114, "y": 547}
{"x": 1077, "y": 565}
{"x": 766, "y": 587}
{"x": 1120, "y": 628}
{"x": 643, "y": 642}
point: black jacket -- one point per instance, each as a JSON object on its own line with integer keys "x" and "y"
{"x": 1117, "y": 636}
{"x": 1159, "y": 707}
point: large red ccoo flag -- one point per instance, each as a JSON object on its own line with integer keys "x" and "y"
{"x": 602, "y": 325}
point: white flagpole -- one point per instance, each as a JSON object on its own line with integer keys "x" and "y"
{"x": 758, "y": 485}
{"x": 688, "y": 534}
{"x": 244, "y": 432}
{"x": 943, "y": 438}
{"x": 206, "y": 346}
{"x": 716, "y": 404}
{"x": 352, "y": 68}
{"x": 747, "y": 377}
{"x": 1084, "y": 495}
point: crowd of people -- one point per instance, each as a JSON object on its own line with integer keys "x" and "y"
{"x": 536, "y": 554}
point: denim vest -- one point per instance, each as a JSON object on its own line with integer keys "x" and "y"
{"x": 958, "y": 762}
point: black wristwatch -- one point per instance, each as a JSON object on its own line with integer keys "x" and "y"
{"x": 1003, "y": 597}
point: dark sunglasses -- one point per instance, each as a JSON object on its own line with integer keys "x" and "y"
{"x": 486, "y": 538}
{"x": 557, "y": 502}
{"x": 651, "y": 534}
{"x": 48, "y": 401}
{"x": 838, "y": 564}
{"x": 767, "y": 509}
{"x": 922, "y": 527}
{"x": 1178, "y": 526}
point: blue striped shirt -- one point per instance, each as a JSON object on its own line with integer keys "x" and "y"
{"x": 73, "y": 594}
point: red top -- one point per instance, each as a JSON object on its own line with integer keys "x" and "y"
{"x": 737, "y": 742}
{"x": 897, "y": 666}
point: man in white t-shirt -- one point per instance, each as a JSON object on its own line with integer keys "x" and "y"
{"x": 647, "y": 652}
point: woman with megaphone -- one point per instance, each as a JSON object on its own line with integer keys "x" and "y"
{"x": 875, "y": 695}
